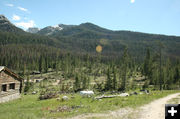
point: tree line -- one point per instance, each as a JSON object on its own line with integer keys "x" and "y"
{"x": 159, "y": 71}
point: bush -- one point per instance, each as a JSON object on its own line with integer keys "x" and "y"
{"x": 48, "y": 95}
{"x": 146, "y": 85}
{"x": 28, "y": 86}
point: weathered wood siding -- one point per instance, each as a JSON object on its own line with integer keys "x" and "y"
{"x": 7, "y": 79}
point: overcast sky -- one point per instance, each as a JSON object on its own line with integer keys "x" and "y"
{"x": 150, "y": 16}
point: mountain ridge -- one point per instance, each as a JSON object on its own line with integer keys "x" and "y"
{"x": 92, "y": 25}
{"x": 85, "y": 37}
{"x": 6, "y": 25}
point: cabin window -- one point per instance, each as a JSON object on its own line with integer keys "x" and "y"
{"x": 12, "y": 86}
{"x": 4, "y": 87}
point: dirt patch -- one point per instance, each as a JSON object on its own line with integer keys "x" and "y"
{"x": 123, "y": 113}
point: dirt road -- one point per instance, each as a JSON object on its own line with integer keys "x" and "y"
{"x": 153, "y": 110}
{"x": 156, "y": 110}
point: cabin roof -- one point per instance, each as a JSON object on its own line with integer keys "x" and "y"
{"x": 3, "y": 68}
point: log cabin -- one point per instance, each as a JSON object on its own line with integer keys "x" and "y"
{"x": 10, "y": 85}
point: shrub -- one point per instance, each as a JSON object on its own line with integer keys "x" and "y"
{"x": 48, "y": 94}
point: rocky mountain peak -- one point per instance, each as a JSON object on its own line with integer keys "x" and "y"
{"x": 33, "y": 30}
{"x": 6, "y": 25}
{"x": 4, "y": 20}
{"x": 2, "y": 17}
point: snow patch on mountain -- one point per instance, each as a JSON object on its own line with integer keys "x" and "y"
{"x": 58, "y": 27}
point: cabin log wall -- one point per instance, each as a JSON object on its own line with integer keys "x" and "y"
{"x": 9, "y": 94}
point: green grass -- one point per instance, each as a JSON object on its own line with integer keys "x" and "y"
{"x": 29, "y": 107}
{"x": 174, "y": 100}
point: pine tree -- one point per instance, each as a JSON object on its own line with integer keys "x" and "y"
{"x": 108, "y": 85}
{"x": 63, "y": 87}
{"x": 125, "y": 69}
{"x": 114, "y": 79}
{"x": 84, "y": 82}
{"x": 27, "y": 84}
{"x": 41, "y": 64}
{"x": 24, "y": 70}
{"x": 77, "y": 83}
{"x": 147, "y": 64}
{"x": 88, "y": 82}
{"x": 177, "y": 74}
{"x": 46, "y": 65}
{"x": 160, "y": 65}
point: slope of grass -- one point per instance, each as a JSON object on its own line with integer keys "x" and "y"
{"x": 29, "y": 107}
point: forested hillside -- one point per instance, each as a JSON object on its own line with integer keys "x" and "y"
{"x": 85, "y": 37}
{"x": 20, "y": 50}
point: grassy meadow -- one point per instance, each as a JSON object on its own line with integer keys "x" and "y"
{"x": 30, "y": 107}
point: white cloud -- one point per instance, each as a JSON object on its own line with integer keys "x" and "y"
{"x": 16, "y": 17}
{"x": 10, "y": 5}
{"x": 23, "y": 9}
{"x": 132, "y": 1}
{"x": 26, "y": 25}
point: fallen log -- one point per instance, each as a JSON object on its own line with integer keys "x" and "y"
{"x": 112, "y": 96}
